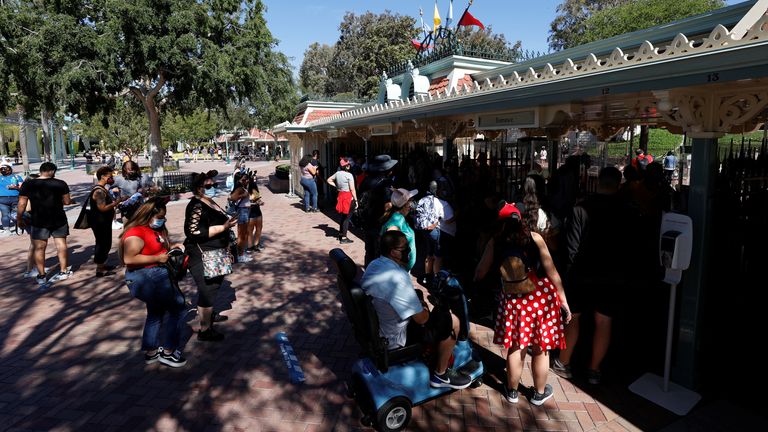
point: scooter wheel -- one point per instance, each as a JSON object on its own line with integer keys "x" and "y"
{"x": 394, "y": 415}
{"x": 476, "y": 383}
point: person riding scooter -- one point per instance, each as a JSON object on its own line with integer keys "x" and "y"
{"x": 397, "y": 304}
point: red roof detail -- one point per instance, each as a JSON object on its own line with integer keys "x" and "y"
{"x": 318, "y": 114}
{"x": 439, "y": 84}
{"x": 299, "y": 117}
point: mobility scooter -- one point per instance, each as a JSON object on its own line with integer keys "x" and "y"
{"x": 387, "y": 383}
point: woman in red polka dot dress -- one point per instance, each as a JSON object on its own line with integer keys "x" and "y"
{"x": 529, "y": 303}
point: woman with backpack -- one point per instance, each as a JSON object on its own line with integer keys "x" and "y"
{"x": 308, "y": 173}
{"x": 530, "y": 300}
{"x": 347, "y": 197}
{"x": 144, "y": 247}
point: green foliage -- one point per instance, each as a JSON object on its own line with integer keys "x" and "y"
{"x": 124, "y": 127}
{"x": 485, "y": 40}
{"x": 367, "y": 44}
{"x": 193, "y": 128}
{"x": 570, "y": 20}
{"x": 313, "y": 73}
{"x": 172, "y": 56}
{"x": 639, "y": 15}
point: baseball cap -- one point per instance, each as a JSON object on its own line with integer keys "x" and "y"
{"x": 509, "y": 211}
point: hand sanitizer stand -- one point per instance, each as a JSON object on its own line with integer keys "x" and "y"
{"x": 675, "y": 254}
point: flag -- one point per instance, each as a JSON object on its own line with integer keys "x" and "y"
{"x": 468, "y": 20}
{"x": 419, "y": 45}
{"x": 449, "y": 18}
{"x": 437, "y": 20}
{"x": 423, "y": 26}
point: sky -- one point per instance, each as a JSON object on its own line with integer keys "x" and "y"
{"x": 299, "y": 23}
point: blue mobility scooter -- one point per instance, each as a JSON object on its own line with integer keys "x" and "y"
{"x": 387, "y": 383}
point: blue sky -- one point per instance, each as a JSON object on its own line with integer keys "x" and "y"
{"x": 299, "y": 23}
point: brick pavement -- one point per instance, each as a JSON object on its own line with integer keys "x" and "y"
{"x": 70, "y": 356}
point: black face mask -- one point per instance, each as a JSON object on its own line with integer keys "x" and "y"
{"x": 134, "y": 176}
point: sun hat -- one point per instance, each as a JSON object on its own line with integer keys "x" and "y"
{"x": 382, "y": 163}
{"x": 401, "y": 196}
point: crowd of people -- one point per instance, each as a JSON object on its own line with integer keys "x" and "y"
{"x": 515, "y": 251}
{"x": 130, "y": 202}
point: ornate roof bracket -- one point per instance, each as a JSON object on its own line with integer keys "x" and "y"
{"x": 711, "y": 113}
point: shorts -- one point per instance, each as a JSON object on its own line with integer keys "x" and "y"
{"x": 255, "y": 212}
{"x": 438, "y": 327}
{"x": 594, "y": 295}
{"x": 432, "y": 240}
{"x": 38, "y": 233}
{"x": 242, "y": 215}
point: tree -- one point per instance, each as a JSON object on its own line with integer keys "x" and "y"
{"x": 313, "y": 73}
{"x": 640, "y": 15}
{"x": 170, "y": 55}
{"x": 486, "y": 40}
{"x": 367, "y": 45}
{"x": 125, "y": 127}
{"x": 569, "y": 22}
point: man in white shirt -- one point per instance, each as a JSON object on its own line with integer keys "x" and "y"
{"x": 397, "y": 303}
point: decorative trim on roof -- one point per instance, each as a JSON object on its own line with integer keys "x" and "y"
{"x": 647, "y": 53}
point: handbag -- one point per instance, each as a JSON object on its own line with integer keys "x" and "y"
{"x": 216, "y": 262}
{"x": 82, "y": 218}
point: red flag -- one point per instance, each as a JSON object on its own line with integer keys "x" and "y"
{"x": 468, "y": 20}
{"x": 420, "y": 46}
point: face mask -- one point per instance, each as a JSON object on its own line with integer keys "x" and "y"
{"x": 110, "y": 181}
{"x": 210, "y": 192}
{"x": 134, "y": 176}
{"x": 156, "y": 224}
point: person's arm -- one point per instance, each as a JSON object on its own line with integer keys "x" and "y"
{"x": 237, "y": 194}
{"x": 132, "y": 247}
{"x": 352, "y": 188}
{"x": 100, "y": 198}
{"x": 332, "y": 181}
{"x": 312, "y": 170}
{"x": 66, "y": 199}
{"x": 549, "y": 267}
{"x": 484, "y": 266}
{"x": 22, "y": 206}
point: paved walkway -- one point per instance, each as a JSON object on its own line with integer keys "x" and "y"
{"x": 70, "y": 356}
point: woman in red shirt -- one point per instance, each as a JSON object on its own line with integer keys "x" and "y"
{"x": 144, "y": 248}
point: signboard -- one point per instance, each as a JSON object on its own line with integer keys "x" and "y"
{"x": 378, "y": 130}
{"x": 333, "y": 133}
{"x": 516, "y": 119}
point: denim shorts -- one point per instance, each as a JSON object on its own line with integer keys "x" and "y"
{"x": 243, "y": 215}
{"x": 38, "y": 233}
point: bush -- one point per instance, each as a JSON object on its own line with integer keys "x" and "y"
{"x": 281, "y": 171}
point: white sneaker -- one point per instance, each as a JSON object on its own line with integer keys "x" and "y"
{"x": 244, "y": 259}
{"x": 60, "y": 276}
{"x": 117, "y": 225}
{"x": 33, "y": 273}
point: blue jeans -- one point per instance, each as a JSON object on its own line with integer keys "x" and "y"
{"x": 164, "y": 303}
{"x": 7, "y": 205}
{"x": 310, "y": 191}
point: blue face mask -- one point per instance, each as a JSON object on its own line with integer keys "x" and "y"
{"x": 210, "y": 192}
{"x": 156, "y": 224}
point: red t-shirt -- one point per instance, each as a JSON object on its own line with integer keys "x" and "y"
{"x": 153, "y": 242}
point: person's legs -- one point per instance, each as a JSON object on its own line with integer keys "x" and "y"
{"x": 602, "y": 339}
{"x": 242, "y": 237}
{"x": 515, "y": 362}
{"x": 313, "y": 192}
{"x": 445, "y": 347}
{"x": 258, "y": 226}
{"x": 344, "y": 225}
{"x": 150, "y": 339}
{"x": 103, "y": 235}
{"x": 539, "y": 368}
{"x": 305, "y": 184}
{"x": 571, "y": 338}
{"x": 5, "y": 211}
{"x": 40, "y": 246}
{"x": 61, "y": 251}
{"x": 31, "y": 257}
